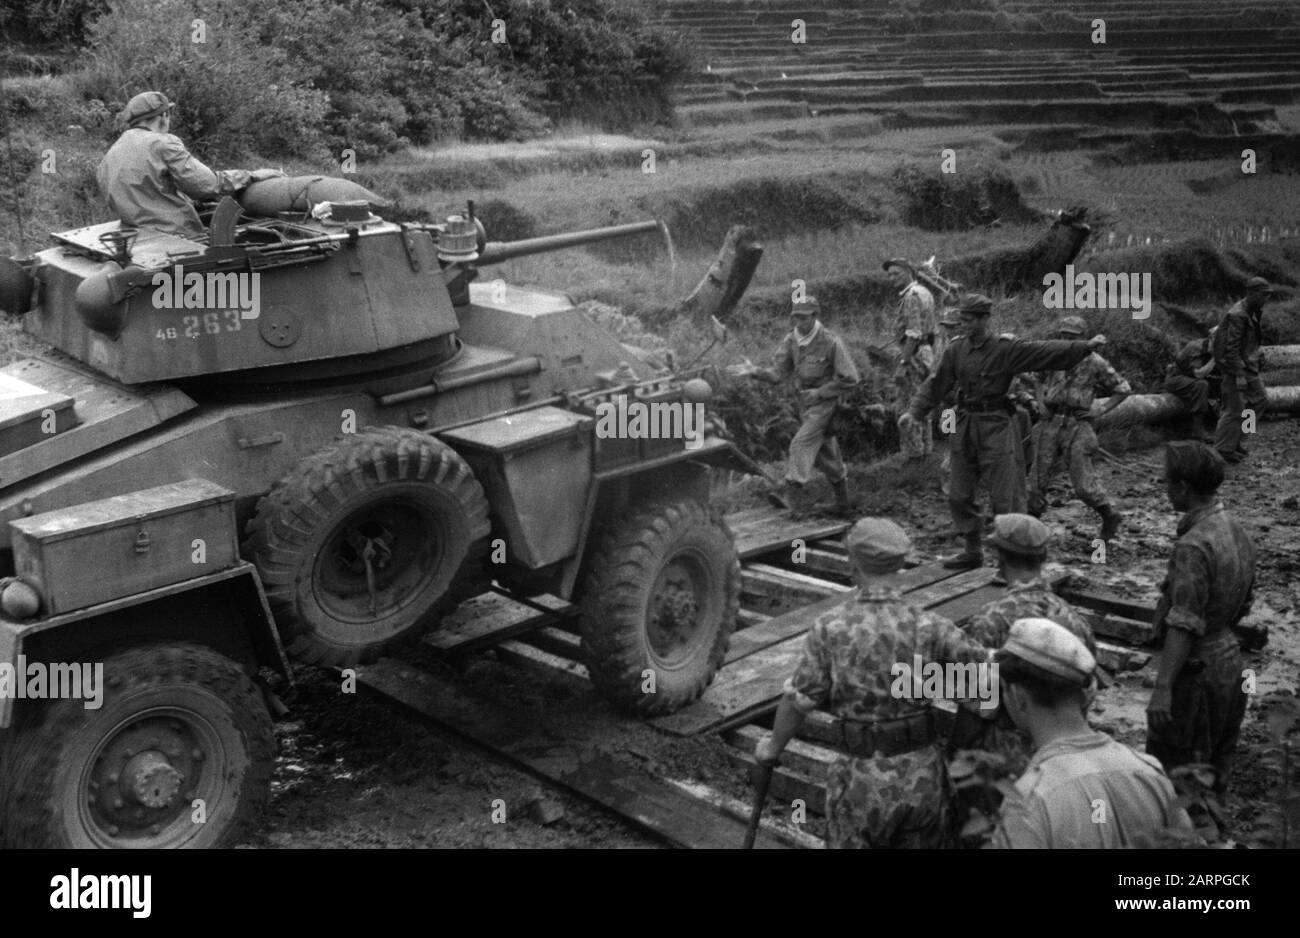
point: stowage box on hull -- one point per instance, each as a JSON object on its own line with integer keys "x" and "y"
{"x": 100, "y": 551}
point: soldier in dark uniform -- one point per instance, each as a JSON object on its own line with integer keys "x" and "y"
{"x": 823, "y": 371}
{"x": 1236, "y": 351}
{"x": 1198, "y": 703}
{"x": 892, "y": 788}
{"x": 1194, "y": 379}
{"x": 980, "y": 366}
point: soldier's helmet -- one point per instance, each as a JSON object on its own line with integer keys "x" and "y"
{"x": 145, "y": 105}
{"x": 1020, "y": 534}
{"x": 949, "y": 317}
{"x": 808, "y": 307}
{"x": 1072, "y": 325}
{"x": 877, "y": 545}
{"x": 1051, "y": 649}
{"x": 975, "y": 304}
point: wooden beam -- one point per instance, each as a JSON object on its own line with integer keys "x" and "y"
{"x": 562, "y": 755}
{"x": 1110, "y": 603}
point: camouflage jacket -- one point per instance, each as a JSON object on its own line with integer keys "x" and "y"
{"x": 824, "y": 363}
{"x": 1073, "y": 390}
{"x": 916, "y": 318}
{"x": 849, "y": 654}
{"x": 981, "y": 374}
{"x": 1031, "y": 599}
{"x": 1211, "y": 574}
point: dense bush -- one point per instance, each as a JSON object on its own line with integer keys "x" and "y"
{"x": 235, "y": 94}
{"x": 43, "y": 21}
{"x": 595, "y": 59}
{"x": 977, "y": 195}
{"x": 311, "y": 77}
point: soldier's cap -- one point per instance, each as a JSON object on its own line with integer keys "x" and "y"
{"x": 1072, "y": 325}
{"x": 949, "y": 317}
{"x": 975, "y": 304}
{"x": 1260, "y": 285}
{"x": 1051, "y": 648}
{"x": 145, "y": 105}
{"x": 877, "y": 545}
{"x": 808, "y": 307}
{"x": 1020, "y": 534}
{"x": 898, "y": 262}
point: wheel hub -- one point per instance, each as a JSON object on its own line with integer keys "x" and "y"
{"x": 143, "y": 778}
{"x": 150, "y": 780}
{"x": 377, "y": 559}
{"x": 675, "y": 607}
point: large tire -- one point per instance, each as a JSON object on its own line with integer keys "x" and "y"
{"x": 178, "y": 722}
{"x": 661, "y": 595}
{"x": 401, "y": 496}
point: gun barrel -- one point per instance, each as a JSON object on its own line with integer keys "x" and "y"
{"x": 498, "y": 251}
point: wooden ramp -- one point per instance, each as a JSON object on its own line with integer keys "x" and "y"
{"x": 682, "y": 815}
{"x": 780, "y": 598}
{"x": 751, "y": 685}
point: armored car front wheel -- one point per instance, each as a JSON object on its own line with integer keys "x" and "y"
{"x": 177, "y": 752}
{"x": 362, "y": 544}
{"x": 659, "y": 604}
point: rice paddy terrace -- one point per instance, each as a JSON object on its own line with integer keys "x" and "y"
{"x": 1198, "y": 65}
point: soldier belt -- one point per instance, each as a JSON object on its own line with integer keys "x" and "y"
{"x": 996, "y": 407}
{"x": 891, "y": 737}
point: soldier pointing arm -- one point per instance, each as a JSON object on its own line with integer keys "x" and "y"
{"x": 980, "y": 366}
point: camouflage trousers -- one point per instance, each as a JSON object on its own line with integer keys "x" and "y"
{"x": 814, "y": 448}
{"x": 890, "y": 802}
{"x": 1063, "y": 441}
{"x": 917, "y": 439}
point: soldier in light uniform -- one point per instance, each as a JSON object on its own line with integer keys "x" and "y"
{"x": 891, "y": 789}
{"x": 914, "y": 331}
{"x": 1082, "y": 789}
{"x": 819, "y": 362}
{"x": 949, "y": 329}
{"x": 1198, "y": 703}
{"x": 149, "y": 178}
{"x": 980, "y": 366}
{"x": 1065, "y": 436}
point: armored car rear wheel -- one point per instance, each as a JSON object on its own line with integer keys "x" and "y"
{"x": 178, "y": 754}
{"x": 362, "y": 544}
{"x": 658, "y": 606}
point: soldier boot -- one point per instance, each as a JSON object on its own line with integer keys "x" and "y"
{"x": 1110, "y": 521}
{"x": 968, "y": 559}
